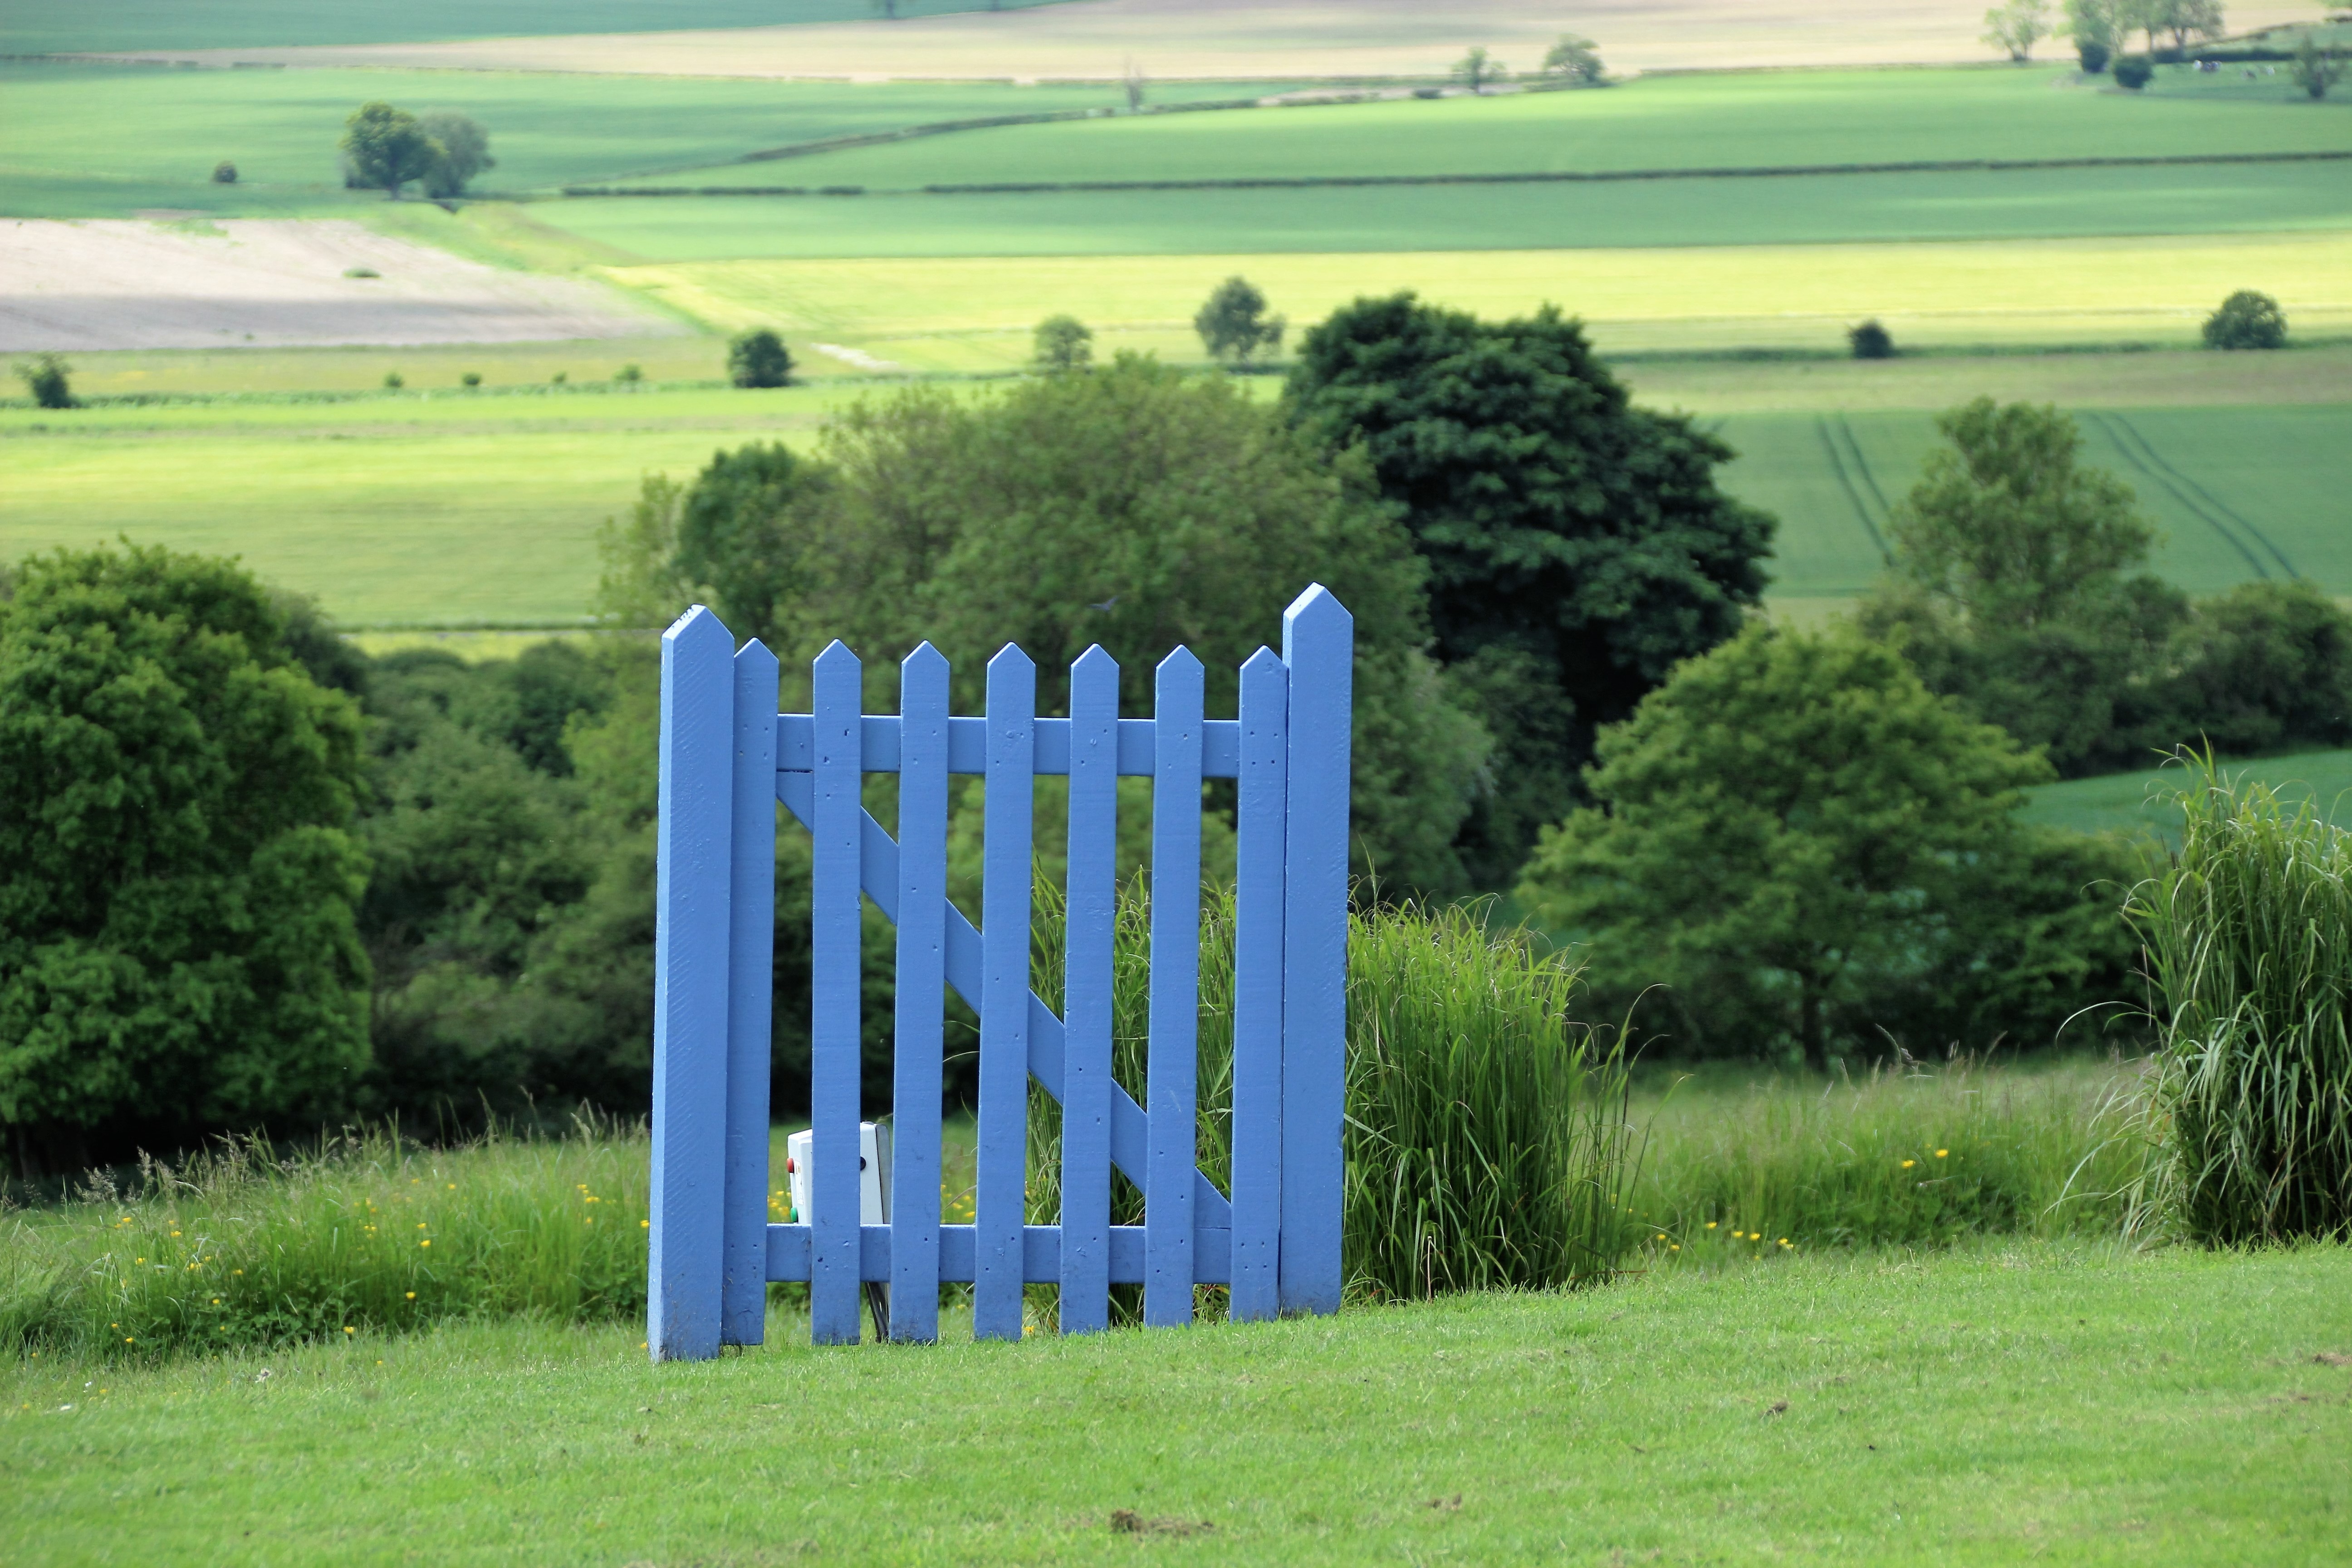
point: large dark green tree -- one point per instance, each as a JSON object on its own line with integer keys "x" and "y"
{"x": 177, "y": 877}
{"x": 1578, "y": 547}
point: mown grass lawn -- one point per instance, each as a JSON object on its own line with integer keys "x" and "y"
{"x": 2015, "y": 1402}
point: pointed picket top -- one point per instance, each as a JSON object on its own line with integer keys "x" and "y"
{"x": 697, "y": 627}
{"x": 1096, "y": 656}
{"x": 924, "y": 659}
{"x": 837, "y": 656}
{"x": 1261, "y": 660}
{"x": 1009, "y": 657}
{"x": 755, "y": 655}
{"x": 1181, "y": 662}
{"x": 1315, "y": 609}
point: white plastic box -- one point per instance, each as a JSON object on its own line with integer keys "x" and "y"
{"x": 873, "y": 1178}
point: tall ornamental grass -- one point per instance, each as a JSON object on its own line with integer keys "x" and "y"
{"x": 2249, "y": 939}
{"x": 366, "y": 1232}
{"x": 1487, "y": 1138}
{"x": 1905, "y": 1155}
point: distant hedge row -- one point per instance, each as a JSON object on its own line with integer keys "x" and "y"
{"x": 1300, "y": 182}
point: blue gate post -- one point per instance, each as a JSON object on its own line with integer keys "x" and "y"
{"x": 838, "y": 766}
{"x": 1257, "y": 988}
{"x": 999, "y": 1163}
{"x": 918, "y": 1065}
{"x": 1319, "y": 639}
{"x": 1090, "y": 920}
{"x": 693, "y": 851}
{"x": 751, "y": 996}
{"x": 1171, "y": 1063}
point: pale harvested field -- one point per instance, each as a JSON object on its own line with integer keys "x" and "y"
{"x": 1094, "y": 39}
{"x": 279, "y": 283}
{"x": 974, "y": 314}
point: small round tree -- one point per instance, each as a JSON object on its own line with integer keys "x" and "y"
{"x": 759, "y": 358}
{"x": 2093, "y": 54}
{"x": 2247, "y": 319}
{"x": 1064, "y": 343}
{"x": 45, "y": 378}
{"x": 2133, "y": 72}
{"x": 224, "y": 173}
{"x": 1233, "y": 324}
{"x": 1871, "y": 341}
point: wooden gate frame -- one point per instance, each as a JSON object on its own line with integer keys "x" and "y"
{"x": 727, "y": 756}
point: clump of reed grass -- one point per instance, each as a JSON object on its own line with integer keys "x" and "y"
{"x": 240, "y": 1247}
{"x": 2249, "y": 938}
{"x": 1487, "y": 1144}
{"x": 1902, "y": 1154}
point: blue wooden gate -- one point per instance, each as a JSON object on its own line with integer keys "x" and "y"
{"x": 727, "y": 757}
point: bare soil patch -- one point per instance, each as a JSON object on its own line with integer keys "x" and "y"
{"x": 279, "y": 283}
{"x": 1213, "y": 39}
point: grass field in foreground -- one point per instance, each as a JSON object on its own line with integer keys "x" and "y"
{"x": 2136, "y": 801}
{"x": 1661, "y": 123}
{"x": 102, "y": 124}
{"x": 2011, "y": 1402}
{"x": 977, "y": 313}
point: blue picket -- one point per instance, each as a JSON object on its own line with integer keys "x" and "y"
{"x": 1318, "y": 647}
{"x": 686, "y": 1239}
{"x": 751, "y": 1033}
{"x": 1172, "y": 1067}
{"x": 922, "y": 989}
{"x": 838, "y": 770}
{"x": 1004, "y": 913}
{"x": 1091, "y": 895}
{"x": 1257, "y": 988}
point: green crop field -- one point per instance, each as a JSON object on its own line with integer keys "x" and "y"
{"x": 956, "y": 314}
{"x": 81, "y": 140}
{"x": 1665, "y": 122}
{"x": 1997, "y": 1405}
{"x": 2142, "y": 801}
{"x": 1730, "y": 211}
{"x": 41, "y": 27}
{"x": 2239, "y": 492}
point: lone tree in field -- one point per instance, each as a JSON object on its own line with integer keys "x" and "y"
{"x": 180, "y": 945}
{"x": 1476, "y": 69}
{"x": 465, "y": 151}
{"x": 2247, "y": 319}
{"x": 1577, "y": 547}
{"x": 759, "y": 358}
{"x": 1870, "y": 341}
{"x": 47, "y": 379}
{"x": 1064, "y": 343}
{"x": 1233, "y": 324}
{"x": 1579, "y": 59}
{"x": 224, "y": 173}
{"x": 387, "y": 148}
{"x": 2315, "y": 69}
{"x": 2017, "y": 26}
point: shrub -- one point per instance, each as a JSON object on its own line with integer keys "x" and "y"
{"x": 759, "y": 359}
{"x": 47, "y": 378}
{"x": 2133, "y": 72}
{"x": 224, "y": 173}
{"x": 629, "y": 374}
{"x": 393, "y": 381}
{"x": 2249, "y": 940}
{"x": 1870, "y": 341}
{"x": 2247, "y": 319}
{"x": 2092, "y": 55}
{"x": 471, "y": 378}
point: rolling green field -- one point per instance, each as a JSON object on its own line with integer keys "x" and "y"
{"x": 87, "y": 140}
{"x": 2133, "y": 802}
{"x": 38, "y": 26}
{"x": 1780, "y": 210}
{"x": 969, "y": 313}
{"x": 1771, "y": 119}
{"x": 1992, "y": 1406}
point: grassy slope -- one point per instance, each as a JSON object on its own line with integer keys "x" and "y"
{"x": 39, "y": 26}
{"x": 1665, "y": 122}
{"x": 84, "y": 140}
{"x": 1981, "y": 1407}
{"x": 1796, "y": 209}
{"x": 2131, "y": 801}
